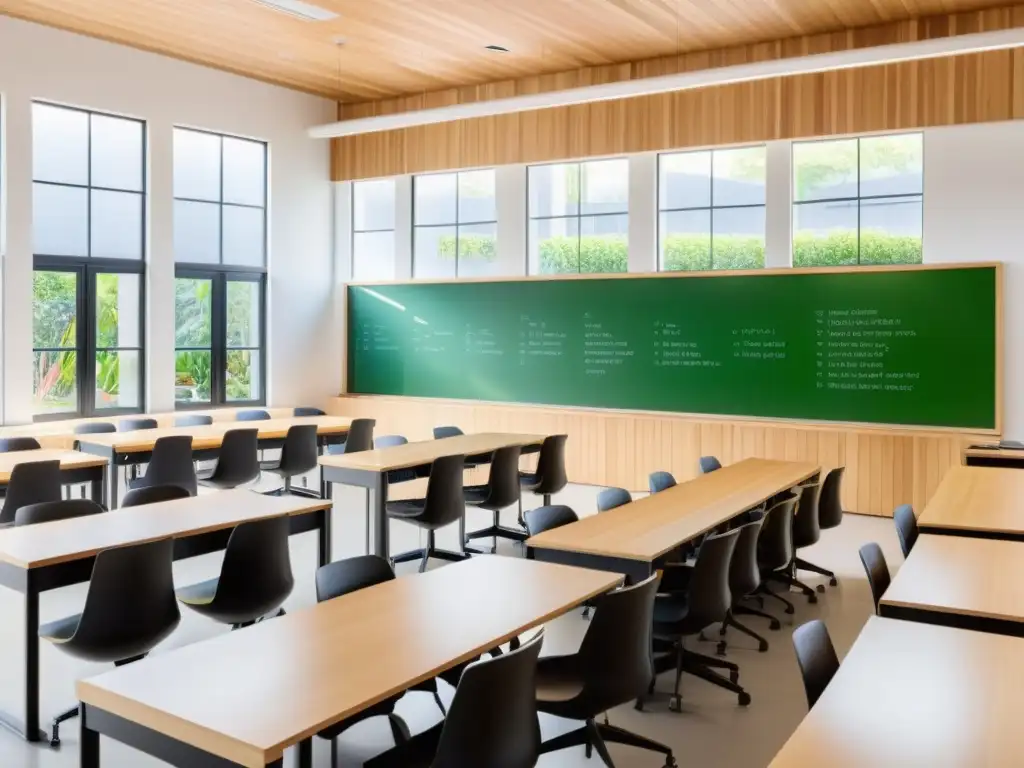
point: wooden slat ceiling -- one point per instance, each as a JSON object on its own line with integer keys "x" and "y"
{"x": 395, "y": 47}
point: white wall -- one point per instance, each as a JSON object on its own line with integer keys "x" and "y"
{"x": 304, "y": 344}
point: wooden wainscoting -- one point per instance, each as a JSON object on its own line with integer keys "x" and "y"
{"x": 884, "y": 467}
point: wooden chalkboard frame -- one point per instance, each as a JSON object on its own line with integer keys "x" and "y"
{"x": 711, "y": 275}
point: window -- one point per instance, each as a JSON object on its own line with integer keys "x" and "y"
{"x": 579, "y": 218}
{"x": 858, "y": 201}
{"x": 455, "y": 225}
{"x": 88, "y": 230}
{"x": 220, "y": 244}
{"x": 711, "y": 209}
{"x": 373, "y": 230}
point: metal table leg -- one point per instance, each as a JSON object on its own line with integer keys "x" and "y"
{"x": 380, "y": 517}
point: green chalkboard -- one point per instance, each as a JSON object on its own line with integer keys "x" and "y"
{"x": 889, "y": 346}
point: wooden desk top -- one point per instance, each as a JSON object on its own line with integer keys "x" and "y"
{"x": 964, "y": 575}
{"x": 211, "y": 435}
{"x": 994, "y": 453}
{"x": 425, "y": 451}
{"x": 977, "y": 499}
{"x": 248, "y": 695}
{"x": 34, "y": 546}
{"x": 912, "y": 695}
{"x": 650, "y": 527}
{"x": 68, "y": 460}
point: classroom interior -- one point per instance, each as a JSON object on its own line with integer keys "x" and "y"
{"x": 481, "y": 384}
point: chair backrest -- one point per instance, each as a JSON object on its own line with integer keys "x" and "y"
{"x": 130, "y": 425}
{"x": 95, "y": 428}
{"x": 305, "y": 410}
{"x": 360, "y": 435}
{"x": 257, "y": 414}
{"x": 806, "y": 528}
{"x": 171, "y": 464}
{"x": 546, "y": 518}
{"x": 238, "y": 461}
{"x": 551, "y": 465}
{"x": 153, "y": 494}
{"x": 660, "y": 481}
{"x": 906, "y": 527}
{"x": 9, "y": 444}
{"x": 48, "y": 511}
{"x": 389, "y": 441}
{"x": 193, "y": 420}
{"x": 503, "y": 478}
{"x": 877, "y": 570}
{"x": 257, "y": 568}
{"x": 708, "y": 596}
{"x": 775, "y": 544}
{"x": 442, "y": 432}
{"x": 300, "y": 451}
{"x": 744, "y": 573}
{"x": 32, "y": 482}
{"x": 830, "y": 502}
{"x": 492, "y": 721}
{"x": 610, "y": 498}
{"x": 131, "y": 606}
{"x": 708, "y": 464}
{"x": 444, "y": 501}
{"x": 817, "y": 658}
{"x": 352, "y": 574}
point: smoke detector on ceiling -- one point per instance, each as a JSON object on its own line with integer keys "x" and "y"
{"x": 299, "y": 10}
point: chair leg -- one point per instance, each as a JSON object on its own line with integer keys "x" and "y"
{"x": 334, "y": 753}
{"x": 423, "y": 562}
{"x": 63, "y": 717}
{"x": 675, "y": 704}
{"x": 762, "y": 644}
{"x": 792, "y": 581}
{"x": 594, "y": 738}
{"x": 712, "y": 661}
{"x": 742, "y": 610}
{"x": 803, "y": 565}
{"x": 399, "y": 729}
{"x": 577, "y": 738}
{"x": 440, "y": 704}
{"x": 768, "y": 593}
{"x": 616, "y": 735}
{"x": 701, "y": 671}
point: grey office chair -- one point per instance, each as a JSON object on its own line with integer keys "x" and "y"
{"x": 817, "y": 658}
{"x": 170, "y": 464}
{"x": 547, "y": 518}
{"x": 359, "y": 438}
{"x": 308, "y": 411}
{"x": 299, "y": 455}
{"x": 153, "y": 494}
{"x": 257, "y": 414}
{"x": 906, "y": 527}
{"x": 610, "y": 498}
{"x": 131, "y": 425}
{"x": 708, "y": 464}
{"x": 32, "y": 482}
{"x": 660, "y": 481}
{"x": 501, "y": 492}
{"x": 237, "y": 463}
{"x": 193, "y": 420}
{"x": 51, "y": 511}
{"x": 95, "y": 428}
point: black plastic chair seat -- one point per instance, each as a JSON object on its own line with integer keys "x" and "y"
{"x": 669, "y": 612}
{"x": 406, "y": 508}
{"x": 198, "y": 594}
{"x": 476, "y": 494}
{"x": 529, "y": 480}
{"x": 559, "y": 680}
{"x": 270, "y": 465}
{"x": 60, "y": 630}
{"x": 206, "y": 478}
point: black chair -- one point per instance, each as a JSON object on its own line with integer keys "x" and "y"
{"x": 299, "y": 455}
{"x": 95, "y": 428}
{"x": 830, "y": 515}
{"x": 129, "y": 610}
{"x": 32, "y": 482}
{"x": 906, "y": 527}
{"x": 255, "y": 577}
{"x": 708, "y": 464}
{"x": 396, "y": 475}
{"x": 612, "y": 667}
{"x": 359, "y": 438}
{"x": 873, "y": 560}
{"x": 502, "y": 491}
{"x": 10, "y": 444}
{"x": 706, "y": 601}
{"x": 193, "y": 420}
{"x": 610, "y": 498}
{"x": 492, "y": 722}
{"x": 49, "y": 511}
{"x": 775, "y": 547}
{"x": 806, "y": 533}
{"x": 744, "y": 581}
{"x": 131, "y": 425}
{"x": 440, "y": 433}
{"x": 550, "y": 476}
{"x": 237, "y": 462}
{"x": 443, "y": 505}
{"x": 257, "y": 414}
{"x": 660, "y": 481}
{"x": 170, "y": 464}
{"x": 153, "y": 494}
{"x": 304, "y": 410}
{"x": 546, "y": 518}
{"x": 817, "y": 658}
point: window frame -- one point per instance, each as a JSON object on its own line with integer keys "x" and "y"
{"x": 394, "y": 223}
{"x": 457, "y": 224}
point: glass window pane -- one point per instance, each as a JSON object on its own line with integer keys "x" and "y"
{"x": 59, "y": 220}
{"x": 824, "y": 170}
{"x": 825, "y": 234}
{"x": 890, "y": 231}
{"x": 243, "y": 313}
{"x": 433, "y": 252}
{"x": 604, "y": 186}
{"x": 684, "y": 180}
{"x": 554, "y": 246}
{"x": 118, "y": 379}
{"x": 193, "y": 309}
{"x": 686, "y": 240}
{"x": 738, "y": 238}
{"x": 116, "y": 148}
{"x": 245, "y": 172}
{"x": 604, "y": 246}
{"x": 373, "y": 204}
{"x": 434, "y": 198}
{"x": 60, "y": 144}
{"x": 118, "y": 310}
{"x": 116, "y": 224}
{"x": 373, "y": 256}
{"x": 196, "y": 165}
{"x": 476, "y": 196}
{"x": 196, "y": 232}
{"x": 242, "y": 381}
{"x": 192, "y": 376}
{"x": 739, "y": 176}
{"x": 478, "y": 256}
{"x": 55, "y": 382}
{"x": 54, "y": 309}
{"x": 892, "y": 165}
{"x": 554, "y": 189}
{"x": 243, "y": 236}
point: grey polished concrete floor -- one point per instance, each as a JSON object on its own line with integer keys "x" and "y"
{"x": 710, "y": 731}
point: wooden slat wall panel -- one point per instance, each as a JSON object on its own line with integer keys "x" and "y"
{"x": 884, "y": 468}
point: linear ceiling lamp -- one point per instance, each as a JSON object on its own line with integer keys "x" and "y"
{"x": 762, "y": 70}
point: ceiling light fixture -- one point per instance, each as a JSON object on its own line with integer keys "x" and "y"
{"x": 822, "y": 62}
{"x": 496, "y": 48}
{"x": 298, "y": 9}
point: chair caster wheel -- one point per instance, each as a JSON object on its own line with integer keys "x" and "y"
{"x": 734, "y": 676}
{"x": 821, "y": 588}
{"x": 675, "y": 704}
{"x": 834, "y": 582}
{"x": 639, "y": 705}
{"x": 775, "y": 625}
{"x": 670, "y": 762}
{"x": 55, "y": 743}
{"x": 762, "y": 646}
{"x": 790, "y": 610}
{"x": 720, "y": 650}
{"x": 744, "y": 699}
{"x": 812, "y": 598}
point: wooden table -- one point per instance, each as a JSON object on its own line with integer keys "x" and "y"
{"x": 912, "y": 695}
{"x": 244, "y": 697}
{"x": 983, "y": 502}
{"x": 75, "y": 467}
{"x": 37, "y": 558}
{"x": 136, "y": 446}
{"x": 369, "y": 469}
{"x": 961, "y": 582}
{"x": 630, "y": 539}
{"x": 1008, "y": 458}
